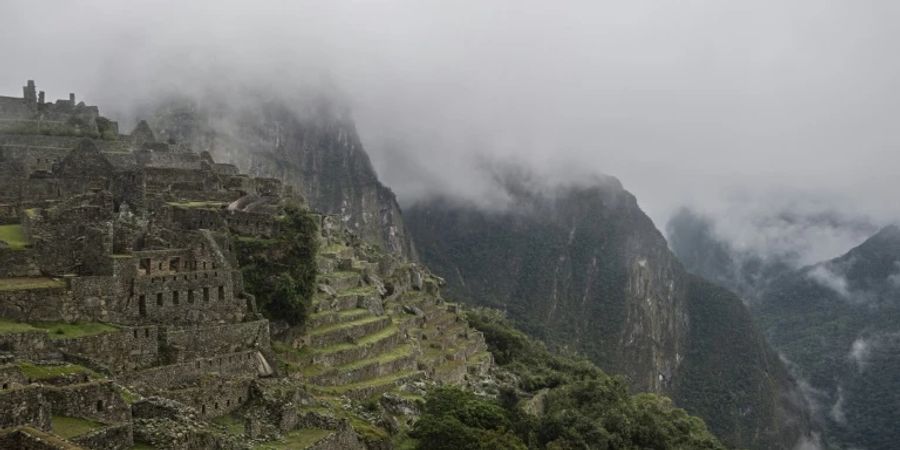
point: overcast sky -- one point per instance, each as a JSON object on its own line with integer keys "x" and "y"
{"x": 738, "y": 108}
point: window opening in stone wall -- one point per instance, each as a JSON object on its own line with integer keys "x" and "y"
{"x": 190, "y": 296}
{"x": 221, "y": 293}
{"x": 99, "y": 405}
{"x": 175, "y": 297}
{"x": 206, "y": 294}
{"x": 142, "y": 305}
{"x": 159, "y": 299}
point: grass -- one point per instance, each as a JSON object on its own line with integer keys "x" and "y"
{"x": 69, "y": 427}
{"x": 263, "y": 241}
{"x": 58, "y": 330}
{"x": 25, "y": 283}
{"x": 231, "y": 423}
{"x": 365, "y": 340}
{"x": 342, "y": 325}
{"x": 208, "y": 205}
{"x": 387, "y": 379}
{"x": 398, "y": 352}
{"x": 361, "y": 290}
{"x": 8, "y": 326}
{"x": 295, "y": 440}
{"x": 13, "y": 236}
{"x": 35, "y": 372}
{"x": 342, "y": 274}
{"x": 333, "y": 249}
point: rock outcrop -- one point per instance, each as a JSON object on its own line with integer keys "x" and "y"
{"x": 585, "y": 268}
{"x": 314, "y": 148}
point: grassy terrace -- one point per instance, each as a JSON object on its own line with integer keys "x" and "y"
{"x": 14, "y": 236}
{"x": 387, "y": 379}
{"x": 206, "y": 205}
{"x": 69, "y": 427}
{"x": 57, "y": 330}
{"x": 231, "y": 424}
{"x": 398, "y": 352}
{"x": 342, "y": 325}
{"x": 295, "y": 440}
{"x": 364, "y": 341}
{"x": 34, "y": 372}
{"x": 24, "y": 283}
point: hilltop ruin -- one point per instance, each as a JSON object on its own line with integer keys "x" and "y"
{"x": 125, "y": 320}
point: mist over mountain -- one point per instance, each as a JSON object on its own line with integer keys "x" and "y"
{"x": 834, "y": 321}
{"x": 582, "y": 267}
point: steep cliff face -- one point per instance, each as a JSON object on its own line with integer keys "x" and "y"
{"x": 315, "y": 147}
{"x": 585, "y": 268}
{"x": 836, "y": 321}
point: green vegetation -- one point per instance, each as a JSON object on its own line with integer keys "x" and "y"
{"x": 454, "y": 419}
{"x": 14, "y": 236}
{"x": 25, "y": 283}
{"x": 205, "y": 205}
{"x": 69, "y": 427}
{"x": 281, "y": 273}
{"x": 574, "y": 405}
{"x": 61, "y": 330}
{"x": 342, "y": 325}
{"x": 299, "y": 439}
{"x": 35, "y": 372}
{"x": 232, "y": 424}
{"x": 57, "y": 330}
{"x": 8, "y": 326}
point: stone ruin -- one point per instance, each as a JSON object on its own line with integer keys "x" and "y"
{"x": 123, "y": 312}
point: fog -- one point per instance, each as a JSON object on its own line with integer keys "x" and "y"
{"x": 742, "y": 110}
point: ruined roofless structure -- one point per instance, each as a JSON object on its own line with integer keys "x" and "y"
{"x": 123, "y": 308}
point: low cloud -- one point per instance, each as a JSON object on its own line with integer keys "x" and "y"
{"x": 860, "y": 351}
{"x": 827, "y": 277}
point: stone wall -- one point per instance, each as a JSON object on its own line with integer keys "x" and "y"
{"x": 131, "y": 348}
{"x": 17, "y": 263}
{"x": 25, "y": 406}
{"x": 240, "y": 364}
{"x": 26, "y": 344}
{"x": 11, "y": 377}
{"x": 34, "y": 305}
{"x": 98, "y": 400}
{"x": 187, "y": 297}
{"x": 252, "y": 224}
{"x": 28, "y": 438}
{"x": 215, "y": 396}
{"x": 114, "y": 437}
{"x": 190, "y": 343}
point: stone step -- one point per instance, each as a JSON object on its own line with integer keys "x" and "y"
{"x": 376, "y": 386}
{"x": 329, "y": 317}
{"x": 347, "y": 331}
{"x": 399, "y": 359}
{"x": 344, "y": 353}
